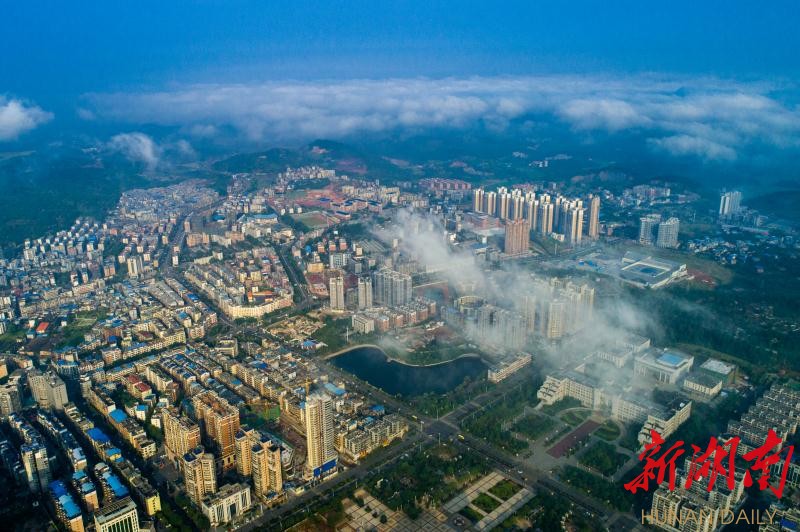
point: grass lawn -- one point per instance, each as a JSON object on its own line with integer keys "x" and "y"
{"x": 608, "y": 431}
{"x": 533, "y": 426}
{"x": 575, "y": 417}
{"x": 471, "y": 513}
{"x": 485, "y": 502}
{"x": 505, "y": 489}
{"x": 598, "y": 488}
{"x": 555, "y": 408}
{"x": 603, "y": 458}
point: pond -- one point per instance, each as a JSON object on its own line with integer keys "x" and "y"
{"x": 372, "y": 365}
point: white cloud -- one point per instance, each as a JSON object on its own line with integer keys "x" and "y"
{"x": 688, "y": 145}
{"x": 16, "y": 118}
{"x": 719, "y": 116}
{"x": 137, "y": 147}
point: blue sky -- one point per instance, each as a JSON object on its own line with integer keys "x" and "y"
{"x": 77, "y": 47}
{"x": 701, "y": 78}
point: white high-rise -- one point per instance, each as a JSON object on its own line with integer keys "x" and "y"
{"x": 730, "y": 203}
{"x": 668, "y": 233}
{"x": 647, "y": 226}
{"x": 336, "y": 288}
{"x": 364, "y": 293}
{"x": 320, "y": 435}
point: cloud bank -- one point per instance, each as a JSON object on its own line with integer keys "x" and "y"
{"x": 708, "y": 118}
{"x": 137, "y": 147}
{"x": 17, "y": 117}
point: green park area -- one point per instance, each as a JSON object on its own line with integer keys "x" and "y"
{"x": 575, "y": 417}
{"x": 598, "y": 488}
{"x": 534, "y": 426}
{"x": 558, "y": 406}
{"x": 505, "y": 489}
{"x": 312, "y": 220}
{"x": 488, "y": 423}
{"x": 73, "y": 333}
{"x": 608, "y": 431}
{"x": 486, "y": 503}
{"x": 471, "y": 513}
{"x": 432, "y": 476}
{"x": 603, "y": 457}
{"x": 11, "y": 337}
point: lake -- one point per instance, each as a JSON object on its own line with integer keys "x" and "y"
{"x": 375, "y": 367}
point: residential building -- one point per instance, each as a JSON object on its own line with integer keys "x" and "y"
{"x": 668, "y": 233}
{"x": 37, "y": 465}
{"x": 199, "y": 473}
{"x": 320, "y": 434}
{"x": 336, "y": 291}
{"x": 230, "y": 501}
{"x": 119, "y": 516}
{"x": 517, "y": 237}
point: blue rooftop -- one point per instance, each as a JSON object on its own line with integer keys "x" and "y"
{"x": 70, "y": 508}
{"x": 58, "y": 488}
{"x": 97, "y": 435}
{"x": 116, "y": 486}
{"x": 670, "y": 359}
{"x": 118, "y": 415}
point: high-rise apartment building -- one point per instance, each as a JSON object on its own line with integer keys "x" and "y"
{"x": 199, "y": 473}
{"x": 391, "y": 288}
{"x": 517, "y": 237}
{"x": 37, "y": 466}
{"x": 730, "y": 203}
{"x": 491, "y": 203}
{"x": 10, "y": 400}
{"x": 319, "y": 434}
{"x": 594, "y": 217}
{"x": 503, "y": 203}
{"x": 477, "y": 200}
{"x": 245, "y": 438}
{"x": 119, "y": 516}
{"x": 267, "y": 468}
{"x": 336, "y": 291}
{"x": 364, "y": 293}
{"x": 181, "y": 434}
{"x": 545, "y": 216}
{"x": 572, "y": 228}
{"x": 668, "y": 233}
{"x": 647, "y": 228}
{"x": 48, "y": 390}
{"x": 220, "y": 420}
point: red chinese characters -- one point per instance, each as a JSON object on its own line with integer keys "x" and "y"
{"x": 717, "y": 460}
{"x": 656, "y": 468}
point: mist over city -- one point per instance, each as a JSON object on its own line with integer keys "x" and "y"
{"x": 399, "y": 266}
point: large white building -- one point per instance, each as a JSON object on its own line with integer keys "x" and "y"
{"x": 364, "y": 293}
{"x": 668, "y": 233}
{"x": 230, "y": 501}
{"x": 336, "y": 291}
{"x": 119, "y": 516}
{"x": 199, "y": 473}
{"x": 48, "y": 390}
{"x": 320, "y": 434}
{"x": 664, "y": 366}
{"x": 729, "y": 203}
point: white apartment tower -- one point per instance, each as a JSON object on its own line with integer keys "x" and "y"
{"x": 320, "y": 433}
